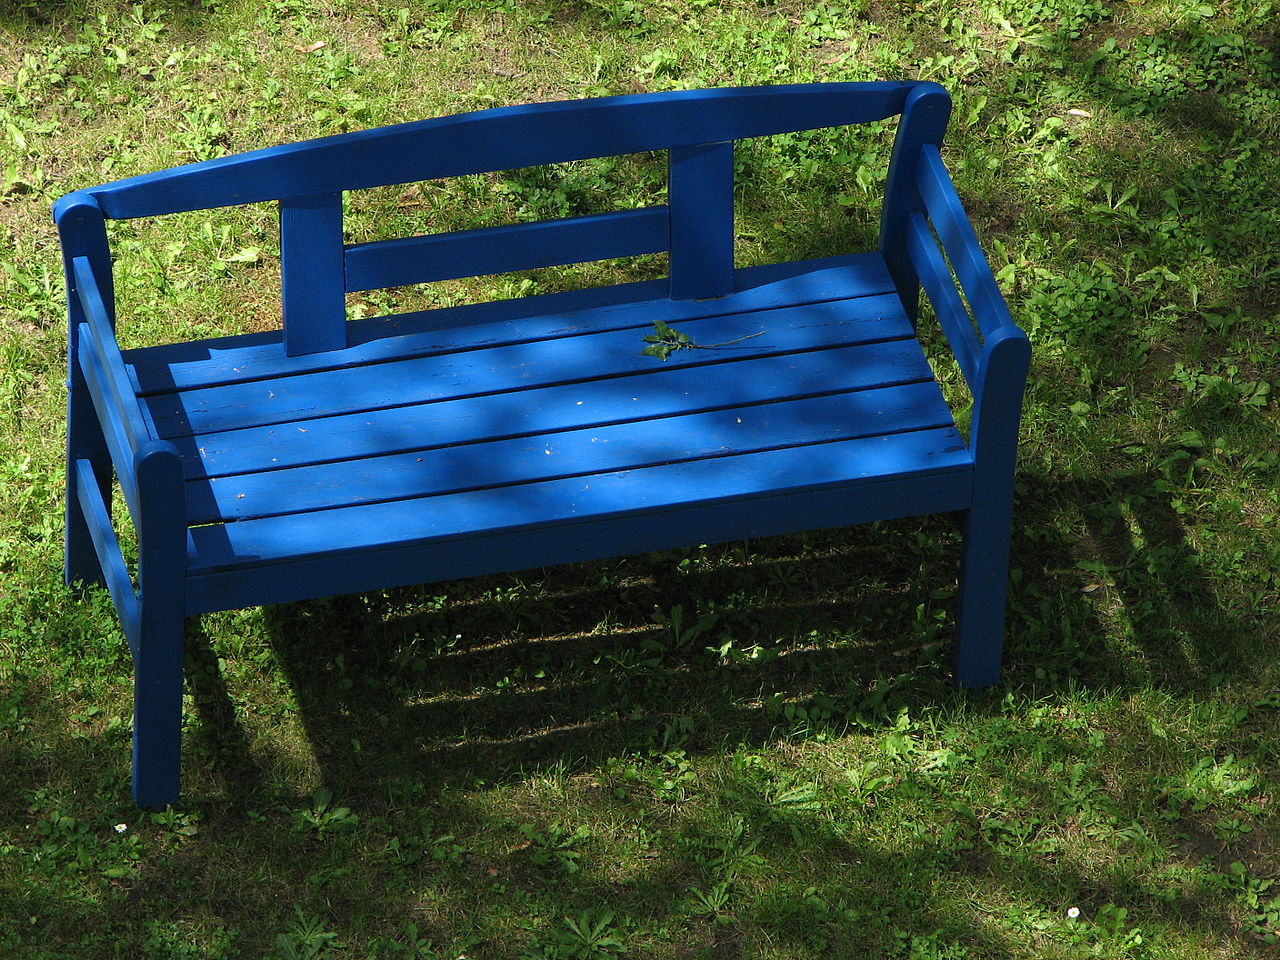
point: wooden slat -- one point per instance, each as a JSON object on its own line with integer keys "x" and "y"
{"x": 663, "y": 527}
{"x": 168, "y": 367}
{"x": 622, "y": 446}
{"x": 502, "y": 139}
{"x": 938, "y": 284}
{"x": 107, "y": 547}
{"x": 99, "y": 337}
{"x": 660, "y": 392}
{"x": 961, "y": 244}
{"x": 521, "y": 246}
{"x": 114, "y": 430}
{"x": 114, "y": 401}
{"x": 826, "y": 466}
{"x": 520, "y": 367}
{"x": 113, "y": 396}
{"x": 700, "y": 190}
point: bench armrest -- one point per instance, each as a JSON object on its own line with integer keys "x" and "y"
{"x": 942, "y": 254}
{"x": 108, "y": 433}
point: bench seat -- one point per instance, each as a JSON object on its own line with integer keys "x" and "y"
{"x": 468, "y": 445}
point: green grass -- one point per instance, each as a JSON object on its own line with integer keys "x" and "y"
{"x": 742, "y": 751}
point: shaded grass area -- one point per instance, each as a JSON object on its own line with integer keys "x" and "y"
{"x": 751, "y": 750}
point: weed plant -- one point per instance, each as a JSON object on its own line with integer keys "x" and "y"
{"x": 750, "y": 750}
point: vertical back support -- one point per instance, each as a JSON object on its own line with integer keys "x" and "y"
{"x": 313, "y": 289}
{"x": 924, "y": 120}
{"x": 700, "y": 195}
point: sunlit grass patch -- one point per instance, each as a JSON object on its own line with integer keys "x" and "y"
{"x": 750, "y": 750}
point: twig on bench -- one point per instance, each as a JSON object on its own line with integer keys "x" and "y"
{"x": 666, "y": 340}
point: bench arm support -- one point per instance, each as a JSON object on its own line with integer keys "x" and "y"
{"x": 108, "y": 436}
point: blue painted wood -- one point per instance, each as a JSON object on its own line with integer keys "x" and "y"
{"x": 157, "y": 687}
{"x": 634, "y": 493}
{"x": 522, "y": 246}
{"x": 333, "y": 457}
{"x": 652, "y": 528}
{"x": 82, "y": 232}
{"x": 558, "y": 454}
{"x": 958, "y": 239}
{"x": 167, "y": 367}
{"x": 103, "y": 368}
{"x": 935, "y": 278}
{"x": 107, "y": 548}
{"x": 700, "y": 189}
{"x": 98, "y": 338}
{"x": 312, "y": 287}
{"x": 519, "y": 367}
{"x": 981, "y": 600}
{"x": 110, "y": 393}
{"x": 925, "y": 113}
{"x": 119, "y": 444}
{"x": 502, "y": 139}
{"x": 661, "y": 392}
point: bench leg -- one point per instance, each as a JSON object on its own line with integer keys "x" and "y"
{"x": 157, "y": 652}
{"x": 157, "y": 708}
{"x": 980, "y": 603}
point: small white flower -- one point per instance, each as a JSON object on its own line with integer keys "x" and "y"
{"x": 1073, "y": 912}
{"x": 121, "y": 827}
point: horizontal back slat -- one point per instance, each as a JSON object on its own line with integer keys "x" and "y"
{"x": 523, "y": 246}
{"x": 501, "y": 139}
{"x": 960, "y": 242}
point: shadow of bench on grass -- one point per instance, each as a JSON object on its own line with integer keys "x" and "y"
{"x": 495, "y": 678}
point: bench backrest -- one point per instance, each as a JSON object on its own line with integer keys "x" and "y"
{"x": 696, "y": 127}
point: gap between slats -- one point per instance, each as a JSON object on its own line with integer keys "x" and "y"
{"x": 657, "y": 392}
{"x": 837, "y": 466}
{"x": 582, "y": 452}
{"x": 480, "y": 326}
{"x": 515, "y": 369}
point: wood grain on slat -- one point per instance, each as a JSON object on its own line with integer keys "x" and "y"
{"x": 557, "y": 502}
{"x": 554, "y": 455}
{"x": 208, "y": 363}
{"x": 522, "y": 246}
{"x": 661, "y": 391}
{"x": 520, "y": 367}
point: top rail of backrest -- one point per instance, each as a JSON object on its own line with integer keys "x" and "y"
{"x": 504, "y": 138}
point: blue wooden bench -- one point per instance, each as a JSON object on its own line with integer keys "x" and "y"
{"x": 335, "y": 456}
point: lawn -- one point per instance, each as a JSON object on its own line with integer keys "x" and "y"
{"x": 751, "y": 750}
